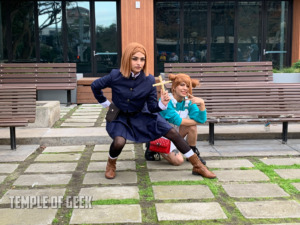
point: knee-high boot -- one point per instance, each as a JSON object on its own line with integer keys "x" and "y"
{"x": 110, "y": 172}
{"x": 199, "y": 168}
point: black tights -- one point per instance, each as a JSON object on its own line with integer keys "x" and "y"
{"x": 119, "y": 142}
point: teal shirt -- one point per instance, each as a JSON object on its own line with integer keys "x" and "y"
{"x": 171, "y": 114}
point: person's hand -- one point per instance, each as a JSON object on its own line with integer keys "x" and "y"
{"x": 165, "y": 98}
{"x": 198, "y": 101}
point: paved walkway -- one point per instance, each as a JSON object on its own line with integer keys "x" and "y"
{"x": 53, "y": 179}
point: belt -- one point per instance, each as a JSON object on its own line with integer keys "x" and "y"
{"x": 129, "y": 113}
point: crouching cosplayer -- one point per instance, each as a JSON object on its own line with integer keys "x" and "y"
{"x": 184, "y": 112}
{"x": 138, "y": 119}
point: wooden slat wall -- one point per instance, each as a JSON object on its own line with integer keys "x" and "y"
{"x": 296, "y": 32}
{"x": 138, "y": 26}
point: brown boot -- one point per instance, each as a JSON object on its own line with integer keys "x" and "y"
{"x": 199, "y": 168}
{"x": 110, "y": 172}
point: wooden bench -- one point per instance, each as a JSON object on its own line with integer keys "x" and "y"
{"x": 84, "y": 91}
{"x": 44, "y": 76}
{"x": 17, "y": 108}
{"x": 251, "y": 104}
{"x": 223, "y": 73}
{"x": 242, "y": 92}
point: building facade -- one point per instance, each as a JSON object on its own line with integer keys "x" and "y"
{"x": 93, "y": 33}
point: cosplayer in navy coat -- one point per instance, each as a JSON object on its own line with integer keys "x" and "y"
{"x": 139, "y": 119}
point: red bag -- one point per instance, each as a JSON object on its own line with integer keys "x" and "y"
{"x": 161, "y": 145}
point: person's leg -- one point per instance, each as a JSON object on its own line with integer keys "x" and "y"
{"x": 191, "y": 133}
{"x": 175, "y": 157}
{"x": 184, "y": 148}
{"x": 115, "y": 150}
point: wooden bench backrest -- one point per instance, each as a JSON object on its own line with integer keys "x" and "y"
{"x": 232, "y": 100}
{"x": 45, "y": 76}
{"x": 17, "y": 105}
{"x": 221, "y": 73}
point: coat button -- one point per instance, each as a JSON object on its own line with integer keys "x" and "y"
{"x": 128, "y": 100}
{"x": 131, "y": 89}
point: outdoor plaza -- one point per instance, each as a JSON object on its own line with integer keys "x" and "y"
{"x": 56, "y": 176}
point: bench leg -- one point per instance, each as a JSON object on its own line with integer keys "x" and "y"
{"x": 284, "y": 132}
{"x": 13, "y": 145}
{"x": 211, "y": 133}
{"x": 68, "y": 97}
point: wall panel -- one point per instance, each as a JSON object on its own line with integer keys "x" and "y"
{"x": 296, "y": 32}
{"x": 137, "y": 25}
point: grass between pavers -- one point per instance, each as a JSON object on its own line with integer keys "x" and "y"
{"x": 58, "y": 123}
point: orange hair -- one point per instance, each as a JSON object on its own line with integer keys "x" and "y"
{"x": 129, "y": 51}
{"x": 181, "y": 77}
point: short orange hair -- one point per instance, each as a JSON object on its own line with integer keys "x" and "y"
{"x": 181, "y": 77}
{"x": 129, "y": 51}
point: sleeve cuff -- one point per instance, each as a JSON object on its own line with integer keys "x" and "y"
{"x": 162, "y": 106}
{"x": 105, "y": 104}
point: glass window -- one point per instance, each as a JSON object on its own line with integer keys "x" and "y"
{"x": 21, "y": 14}
{"x": 106, "y": 54}
{"x": 222, "y": 31}
{"x": 50, "y": 31}
{"x": 276, "y": 45}
{"x": 249, "y": 31}
{"x": 79, "y": 40}
{"x": 195, "y": 31}
{"x": 167, "y": 33}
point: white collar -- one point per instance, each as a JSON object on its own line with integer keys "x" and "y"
{"x": 135, "y": 76}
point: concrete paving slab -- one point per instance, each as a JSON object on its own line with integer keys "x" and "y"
{"x": 295, "y": 146}
{"x": 121, "y": 165}
{"x": 297, "y": 185}
{"x": 33, "y": 192}
{"x": 27, "y": 216}
{"x": 103, "y": 124}
{"x": 83, "y": 120}
{"x": 240, "y": 175}
{"x": 250, "y": 142}
{"x": 164, "y": 165}
{"x": 257, "y": 190}
{"x": 90, "y": 109}
{"x": 189, "y": 211}
{"x": 259, "y": 153}
{"x": 269, "y": 209}
{"x": 57, "y": 157}
{"x": 253, "y": 147}
{"x": 74, "y": 148}
{"x": 19, "y": 155}
{"x": 121, "y": 178}
{"x": 85, "y": 113}
{"x": 281, "y": 161}
{"x": 23, "y": 132}
{"x": 224, "y": 163}
{"x": 77, "y": 124}
{"x": 51, "y": 167}
{"x": 107, "y": 214}
{"x": 104, "y": 155}
{"x": 76, "y": 132}
{"x": 288, "y": 173}
{"x": 165, "y": 192}
{"x": 42, "y": 179}
{"x": 183, "y": 175}
{"x": 103, "y": 193}
{"x": 85, "y": 117}
{"x": 105, "y": 148}
{"x": 2, "y": 178}
{"x": 8, "y": 167}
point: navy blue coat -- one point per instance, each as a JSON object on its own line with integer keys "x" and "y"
{"x": 132, "y": 95}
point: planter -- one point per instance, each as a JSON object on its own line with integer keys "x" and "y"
{"x": 286, "y": 77}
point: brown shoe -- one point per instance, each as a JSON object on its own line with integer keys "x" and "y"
{"x": 110, "y": 172}
{"x": 199, "y": 168}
